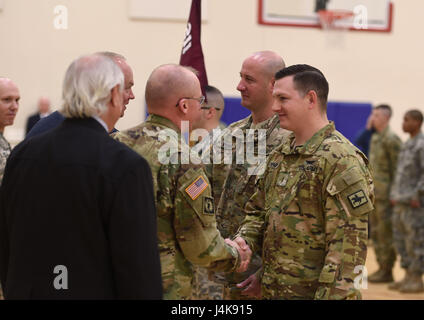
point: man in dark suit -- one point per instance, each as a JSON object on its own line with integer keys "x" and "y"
{"x": 95, "y": 236}
{"x": 43, "y": 111}
{"x": 56, "y": 118}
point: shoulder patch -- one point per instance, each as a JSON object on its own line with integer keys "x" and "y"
{"x": 208, "y": 206}
{"x": 196, "y": 188}
{"x": 357, "y": 199}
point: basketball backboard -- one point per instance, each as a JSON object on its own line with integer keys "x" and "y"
{"x": 368, "y": 15}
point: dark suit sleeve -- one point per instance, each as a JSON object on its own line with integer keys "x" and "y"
{"x": 32, "y": 120}
{"x": 28, "y": 126}
{"x": 133, "y": 236}
{"x": 4, "y": 240}
{"x": 362, "y": 140}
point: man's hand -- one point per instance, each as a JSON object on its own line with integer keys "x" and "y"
{"x": 369, "y": 122}
{"x": 253, "y": 285}
{"x": 244, "y": 251}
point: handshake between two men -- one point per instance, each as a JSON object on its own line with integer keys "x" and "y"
{"x": 252, "y": 283}
{"x": 244, "y": 252}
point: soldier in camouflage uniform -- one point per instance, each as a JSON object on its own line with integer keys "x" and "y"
{"x": 187, "y": 230}
{"x": 309, "y": 216}
{"x": 407, "y": 195}
{"x": 9, "y": 104}
{"x": 203, "y": 288}
{"x": 256, "y": 84}
{"x": 384, "y": 149}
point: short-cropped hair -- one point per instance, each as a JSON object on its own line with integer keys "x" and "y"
{"x": 385, "y": 108}
{"x": 307, "y": 78}
{"x": 87, "y": 86}
{"x": 416, "y": 115}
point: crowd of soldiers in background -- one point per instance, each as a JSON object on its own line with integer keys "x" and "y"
{"x": 299, "y": 230}
{"x": 397, "y": 226}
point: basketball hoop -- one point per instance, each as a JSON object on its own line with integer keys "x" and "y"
{"x": 327, "y": 18}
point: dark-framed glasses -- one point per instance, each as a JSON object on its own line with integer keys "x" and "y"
{"x": 201, "y": 100}
{"x": 209, "y": 107}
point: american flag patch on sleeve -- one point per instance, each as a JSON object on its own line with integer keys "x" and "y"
{"x": 196, "y": 188}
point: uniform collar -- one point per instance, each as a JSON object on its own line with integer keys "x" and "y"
{"x": 264, "y": 124}
{"x": 384, "y": 132}
{"x": 419, "y": 136}
{"x": 156, "y": 119}
{"x": 310, "y": 146}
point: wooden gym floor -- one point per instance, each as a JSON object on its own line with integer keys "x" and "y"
{"x": 380, "y": 291}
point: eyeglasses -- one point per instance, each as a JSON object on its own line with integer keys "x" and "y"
{"x": 210, "y": 107}
{"x": 201, "y": 100}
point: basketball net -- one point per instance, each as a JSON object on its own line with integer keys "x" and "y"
{"x": 328, "y": 19}
{"x": 335, "y": 32}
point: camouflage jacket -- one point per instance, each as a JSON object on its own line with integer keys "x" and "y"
{"x": 187, "y": 230}
{"x": 4, "y": 154}
{"x": 236, "y": 185}
{"x": 409, "y": 180}
{"x": 384, "y": 151}
{"x": 309, "y": 217}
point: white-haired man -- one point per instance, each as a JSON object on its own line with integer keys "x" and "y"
{"x": 56, "y": 118}
{"x": 92, "y": 238}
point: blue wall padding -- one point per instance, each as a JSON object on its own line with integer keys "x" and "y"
{"x": 349, "y": 117}
{"x": 234, "y": 111}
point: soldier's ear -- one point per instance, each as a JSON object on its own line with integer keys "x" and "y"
{"x": 210, "y": 114}
{"x": 312, "y": 99}
{"x": 183, "y": 106}
{"x": 272, "y": 84}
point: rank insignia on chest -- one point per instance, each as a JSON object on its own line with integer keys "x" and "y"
{"x": 208, "y": 206}
{"x": 282, "y": 183}
{"x": 357, "y": 199}
{"x": 195, "y": 189}
{"x": 273, "y": 165}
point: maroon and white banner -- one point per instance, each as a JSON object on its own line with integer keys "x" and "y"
{"x": 192, "y": 53}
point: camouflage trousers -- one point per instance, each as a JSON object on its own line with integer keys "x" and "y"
{"x": 381, "y": 234}
{"x": 408, "y": 235}
{"x": 203, "y": 288}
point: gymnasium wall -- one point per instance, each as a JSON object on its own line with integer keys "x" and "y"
{"x": 360, "y": 66}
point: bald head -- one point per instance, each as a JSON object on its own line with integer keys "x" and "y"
{"x": 9, "y": 102}
{"x": 169, "y": 83}
{"x": 6, "y": 82}
{"x": 257, "y": 82}
{"x": 268, "y": 61}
